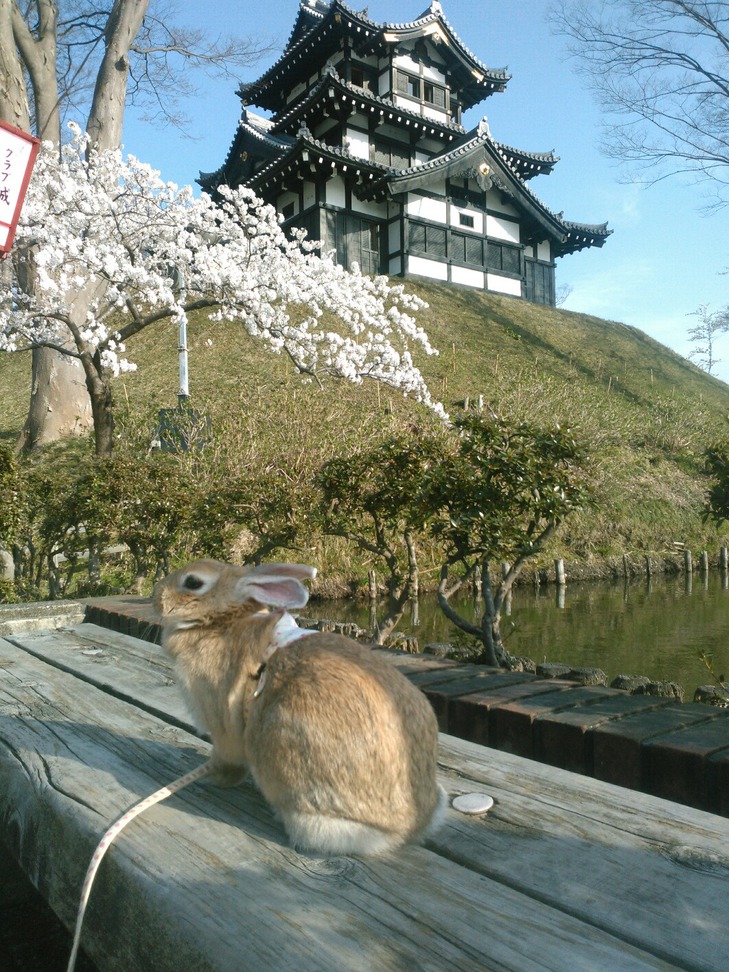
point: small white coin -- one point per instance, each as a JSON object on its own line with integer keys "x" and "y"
{"x": 474, "y": 803}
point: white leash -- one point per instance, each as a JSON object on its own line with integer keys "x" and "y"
{"x": 113, "y": 831}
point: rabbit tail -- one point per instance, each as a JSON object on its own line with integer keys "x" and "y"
{"x": 338, "y": 835}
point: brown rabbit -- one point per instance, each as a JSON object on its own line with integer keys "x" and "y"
{"x": 338, "y": 741}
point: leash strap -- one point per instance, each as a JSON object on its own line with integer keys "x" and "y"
{"x": 111, "y": 834}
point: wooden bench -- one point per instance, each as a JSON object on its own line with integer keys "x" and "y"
{"x": 564, "y": 873}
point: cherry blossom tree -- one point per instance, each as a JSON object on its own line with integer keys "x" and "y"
{"x": 110, "y": 243}
{"x": 81, "y": 60}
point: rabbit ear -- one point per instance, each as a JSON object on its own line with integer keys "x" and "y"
{"x": 300, "y": 571}
{"x": 272, "y": 590}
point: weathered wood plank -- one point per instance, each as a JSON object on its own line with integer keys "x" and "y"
{"x": 206, "y": 881}
{"x": 653, "y": 872}
{"x": 127, "y": 667}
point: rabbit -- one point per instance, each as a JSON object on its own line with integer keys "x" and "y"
{"x": 339, "y": 742}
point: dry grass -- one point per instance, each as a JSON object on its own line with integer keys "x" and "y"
{"x": 646, "y": 413}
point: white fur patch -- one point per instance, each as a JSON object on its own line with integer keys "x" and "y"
{"x": 334, "y": 835}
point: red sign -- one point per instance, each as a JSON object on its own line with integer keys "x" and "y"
{"x": 18, "y": 152}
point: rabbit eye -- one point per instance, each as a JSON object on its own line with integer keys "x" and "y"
{"x": 193, "y": 583}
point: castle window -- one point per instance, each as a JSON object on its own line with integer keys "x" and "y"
{"x": 288, "y": 211}
{"x": 539, "y": 282}
{"x": 361, "y": 77}
{"x": 467, "y": 249}
{"x": 391, "y": 153}
{"x": 434, "y": 94}
{"x": 415, "y": 87}
{"x": 355, "y": 240}
{"x": 465, "y": 220}
{"x": 500, "y": 256}
{"x": 408, "y": 84}
{"x": 428, "y": 240}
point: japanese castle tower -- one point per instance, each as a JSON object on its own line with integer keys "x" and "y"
{"x": 365, "y": 150}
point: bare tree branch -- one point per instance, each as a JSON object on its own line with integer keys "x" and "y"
{"x": 660, "y": 70}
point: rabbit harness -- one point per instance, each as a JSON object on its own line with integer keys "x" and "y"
{"x": 285, "y": 631}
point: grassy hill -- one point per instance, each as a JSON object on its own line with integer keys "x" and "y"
{"x": 645, "y": 413}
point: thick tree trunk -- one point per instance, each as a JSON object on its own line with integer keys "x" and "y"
{"x": 106, "y": 117}
{"x": 38, "y": 49}
{"x": 14, "y": 108}
{"x": 59, "y": 402}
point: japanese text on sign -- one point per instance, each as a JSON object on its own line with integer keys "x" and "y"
{"x": 17, "y": 156}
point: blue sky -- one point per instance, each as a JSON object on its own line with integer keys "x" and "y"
{"x": 664, "y": 258}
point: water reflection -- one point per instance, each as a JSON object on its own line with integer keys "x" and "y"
{"x": 652, "y": 626}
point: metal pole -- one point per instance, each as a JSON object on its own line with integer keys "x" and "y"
{"x": 184, "y": 392}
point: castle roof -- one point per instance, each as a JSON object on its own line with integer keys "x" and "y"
{"x": 332, "y": 86}
{"x": 319, "y": 28}
{"x": 269, "y": 138}
{"x": 262, "y": 157}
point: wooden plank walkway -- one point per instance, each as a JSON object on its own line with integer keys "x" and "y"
{"x": 565, "y": 872}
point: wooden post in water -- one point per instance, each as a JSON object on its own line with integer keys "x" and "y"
{"x": 373, "y": 585}
{"x": 723, "y": 558}
{"x": 648, "y": 567}
{"x": 505, "y": 568}
{"x": 687, "y": 561}
{"x": 704, "y": 561}
{"x": 626, "y": 566}
{"x": 559, "y": 572}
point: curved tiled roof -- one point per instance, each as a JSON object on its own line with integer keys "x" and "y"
{"x": 306, "y": 141}
{"x": 314, "y": 22}
{"x": 310, "y": 14}
{"x": 479, "y": 145}
{"x": 581, "y": 235}
{"x": 434, "y": 15}
{"x": 367, "y": 98}
{"x": 251, "y": 129}
{"x": 474, "y": 148}
{"x": 529, "y": 164}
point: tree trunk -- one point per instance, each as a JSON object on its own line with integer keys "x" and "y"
{"x": 413, "y": 587}
{"x": 14, "y": 108}
{"x": 493, "y": 648}
{"x": 102, "y": 406}
{"x": 38, "y": 50}
{"x": 106, "y": 117}
{"x": 59, "y": 403}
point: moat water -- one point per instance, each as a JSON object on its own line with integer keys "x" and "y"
{"x": 656, "y": 628}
